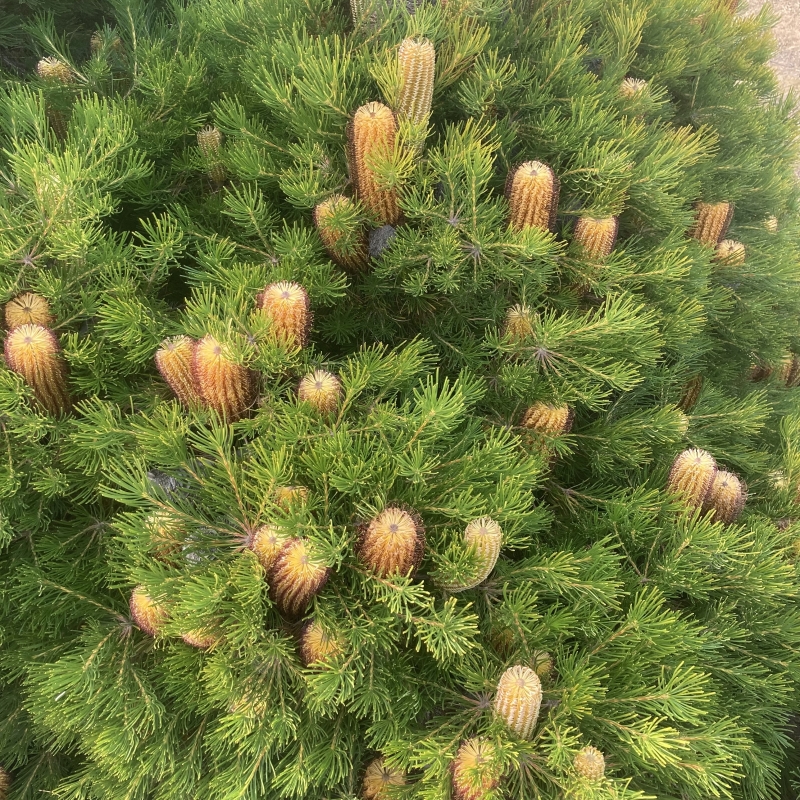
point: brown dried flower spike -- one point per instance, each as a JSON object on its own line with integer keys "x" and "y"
{"x": 225, "y": 386}
{"x": 147, "y": 614}
{"x": 711, "y": 222}
{"x": 321, "y": 390}
{"x": 174, "y": 362}
{"x": 33, "y": 352}
{"x": 53, "y": 70}
{"x": 691, "y": 476}
{"x": 691, "y": 393}
{"x": 371, "y": 134}
{"x": 295, "y": 577}
{"x": 473, "y": 771}
{"x": 549, "y": 419}
{"x": 393, "y": 542}
{"x": 727, "y": 497}
{"x": 288, "y": 309}
{"x": 5, "y": 783}
{"x": 590, "y": 763}
{"x": 532, "y": 192}
{"x": 378, "y": 778}
{"x": 355, "y": 259}
{"x": 318, "y": 644}
{"x": 596, "y": 236}
{"x": 790, "y": 371}
{"x": 417, "y": 59}
{"x": 518, "y": 699}
{"x": 28, "y": 309}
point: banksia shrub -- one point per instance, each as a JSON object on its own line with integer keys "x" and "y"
{"x": 286, "y": 305}
{"x": 54, "y": 70}
{"x": 596, "y": 236}
{"x": 417, "y": 59}
{"x": 547, "y": 419}
{"x": 378, "y": 778}
{"x": 473, "y": 771}
{"x": 318, "y": 644}
{"x": 267, "y": 543}
{"x": 711, "y": 221}
{"x": 33, "y": 352}
{"x": 295, "y": 577}
{"x": 730, "y": 253}
{"x": 174, "y": 361}
{"x": 354, "y": 258}
{"x": 146, "y": 613}
{"x": 518, "y": 700}
{"x": 28, "y": 309}
{"x": 691, "y": 476}
{"x": 485, "y": 537}
{"x": 590, "y": 763}
{"x": 371, "y": 135}
{"x": 393, "y": 542}
{"x": 224, "y": 386}
{"x": 532, "y": 191}
{"x": 726, "y": 497}
{"x": 632, "y": 87}
{"x": 321, "y": 390}
{"x": 518, "y": 324}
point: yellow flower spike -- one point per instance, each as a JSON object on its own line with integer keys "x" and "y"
{"x": 355, "y": 259}
{"x": 322, "y": 390}
{"x": 174, "y": 361}
{"x": 28, "y": 309}
{"x": 711, "y": 222}
{"x": 691, "y": 476}
{"x": 209, "y": 140}
{"x": 486, "y": 537}
{"x": 417, "y": 58}
{"x": 267, "y": 543}
{"x": 202, "y": 640}
{"x": 54, "y": 70}
{"x": 771, "y": 223}
{"x": 393, "y": 542}
{"x": 473, "y": 773}
{"x": 518, "y": 323}
{"x": 549, "y": 419}
{"x": 596, "y": 236}
{"x": 532, "y": 191}
{"x": 318, "y": 644}
{"x": 730, "y": 253}
{"x": 224, "y": 386}
{"x": 590, "y": 763}
{"x": 518, "y": 700}
{"x": 632, "y": 87}
{"x": 287, "y": 496}
{"x": 726, "y": 497}
{"x": 295, "y": 577}
{"x": 288, "y": 309}
{"x": 147, "y": 614}
{"x": 378, "y": 778}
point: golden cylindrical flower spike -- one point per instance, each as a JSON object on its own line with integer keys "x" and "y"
{"x": 295, "y": 577}
{"x": 318, "y": 644}
{"x": 147, "y": 614}
{"x": 473, "y": 772}
{"x": 518, "y": 699}
{"x": 519, "y": 323}
{"x": 378, "y": 778}
{"x": 223, "y": 385}
{"x": 730, "y": 253}
{"x": 631, "y": 87}
{"x": 711, "y": 221}
{"x": 596, "y": 236}
{"x": 287, "y": 496}
{"x": 541, "y": 663}
{"x": 726, "y": 497}
{"x": 771, "y": 223}
{"x": 790, "y": 371}
{"x": 33, "y": 352}
{"x": 393, "y": 542}
{"x": 355, "y": 259}
{"x": 54, "y": 71}
{"x": 288, "y": 309}
{"x": 166, "y": 534}
{"x": 417, "y": 59}
{"x": 549, "y": 419}
{"x": 5, "y": 783}
{"x": 532, "y": 191}
{"x": 267, "y": 543}
{"x": 202, "y": 640}
{"x": 486, "y": 537}
{"x": 691, "y": 393}
{"x": 590, "y": 763}
{"x": 691, "y": 476}
{"x": 321, "y": 390}
{"x": 371, "y": 135}
{"x": 174, "y": 361}
{"x": 28, "y": 309}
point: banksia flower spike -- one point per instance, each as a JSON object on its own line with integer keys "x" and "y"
{"x": 473, "y": 773}
{"x": 288, "y": 309}
{"x": 295, "y": 577}
{"x": 596, "y": 236}
{"x": 392, "y": 542}
{"x": 174, "y": 361}
{"x": 267, "y": 543}
{"x": 371, "y": 134}
{"x": 147, "y": 614}
{"x": 209, "y": 140}
{"x": 549, "y": 419}
{"x": 790, "y": 371}
{"x": 287, "y": 496}
{"x": 317, "y": 644}
{"x": 486, "y": 537}
{"x": 5, "y": 783}
{"x": 33, "y": 352}
{"x": 632, "y": 87}
{"x": 417, "y": 59}
{"x": 518, "y": 323}
{"x": 691, "y": 393}
{"x": 166, "y": 533}
{"x": 711, "y": 221}
{"x": 518, "y": 700}
{"x": 730, "y": 253}
{"x": 202, "y": 640}
{"x": 760, "y": 371}
{"x": 541, "y": 663}
{"x": 590, "y": 763}
{"x": 355, "y": 259}
{"x": 771, "y": 223}
{"x": 378, "y": 778}
{"x": 53, "y": 70}
{"x": 691, "y": 476}
{"x": 532, "y": 192}
{"x": 28, "y": 309}
{"x": 224, "y": 386}
{"x": 727, "y": 497}
{"x": 321, "y": 390}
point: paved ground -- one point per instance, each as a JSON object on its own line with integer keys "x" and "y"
{"x": 787, "y": 32}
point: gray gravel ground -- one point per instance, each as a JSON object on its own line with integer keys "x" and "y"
{"x": 787, "y": 34}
